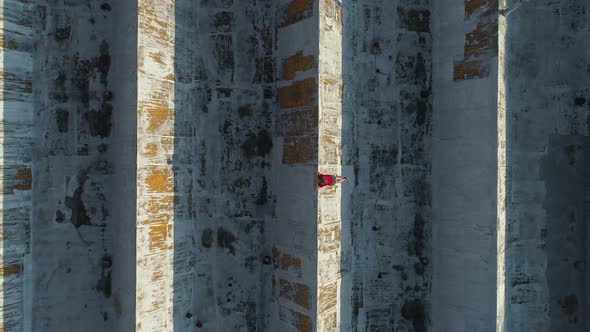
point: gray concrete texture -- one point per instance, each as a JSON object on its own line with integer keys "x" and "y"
{"x": 158, "y": 163}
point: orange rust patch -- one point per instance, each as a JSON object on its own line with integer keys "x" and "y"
{"x": 300, "y": 122}
{"x": 328, "y": 81}
{"x": 295, "y": 63}
{"x": 481, "y": 44}
{"x": 170, "y": 77}
{"x": 471, "y": 6}
{"x": 149, "y": 22}
{"x": 157, "y": 275}
{"x": 328, "y": 297}
{"x": 157, "y": 116}
{"x": 299, "y": 94}
{"x": 288, "y": 261}
{"x": 10, "y": 270}
{"x": 329, "y": 237}
{"x": 151, "y": 150}
{"x": 477, "y": 39}
{"x": 296, "y": 11}
{"x": 302, "y": 322}
{"x": 474, "y": 68}
{"x": 330, "y": 323}
{"x": 160, "y": 180}
{"x": 295, "y": 292}
{"x": 332, "y": 9}
{"x": 299, "y": 150}
{"x": 157, "y": 57}
{"x": 158, "y": 205}
{"x": 158, "y": 236}
{"x": 13, "y": 83}
{"x": 300, "y": 135}
{"x": 25, "y": 179}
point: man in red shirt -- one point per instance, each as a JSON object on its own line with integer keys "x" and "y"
{"x": 325, "y": 180}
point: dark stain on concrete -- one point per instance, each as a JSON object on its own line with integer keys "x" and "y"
{"x": 579, "y": 101}
{"x": 258, "y": 144}
{"x": 239, "y": 185}
{"x": 245, "y": 110}
{"x": 103, "y": 63}
{"x": 419, "y": 268}
{"x": 80, "y": 80}
{"x": 226, "y": 239}
{"x": 224, "y": 55}
{"x": 106, "y": 7}
{"x": 414, "y": 19}
{"x": 76, "y": 204}
{"x": 102, "y": 148}
{"x": 414, "y": 311}
{"x": 100, "y": 122}
{"x": 60, "y": 217}
{"x": 421, "y": 112}
{"x": 61, "y": 117}
{"x": 418, "y": 240}
{"x": 420, "y": 72}
{"x": 376, "y": 47}
{"x": 570, "y": 152}
{"x": 207, "y": 238}
{"x": 63, "y": 34}
{"x": 222, "y": 21}
{"x": 105, "y": 283}
{"x": 570, "y": 307}
{"x": 59, "y": 91}
{"x": 263, "y": 195}
{"x": 251, "y": 316}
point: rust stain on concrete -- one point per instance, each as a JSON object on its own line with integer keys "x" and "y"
{"x": 158, "y": 205}
{"x": 157, "y": 56}
{"x": 472, "y": 6}
{"x": 295, "y": 292}
{"x": 331, "y": 322}
{"x": 151, "y": 150}
{"x": 24, "y": 179}
{"x": 285, "y": 261}
{"x": 157, "y": 275}
{"x": 299, "y": 94}
{"x": 288, "y": 261}
{"x": 478, "y": 39}
{"x": 296, "y": 11}
{"x": 328, "y": 297}
{"x": 333, "y": 10}
{"x": 158, "y": 237}
{"x": 300, "y": 135}
{"x": 160, "y": 180}
{"x": 329, "y": 237}
{"x": 295, "y": 63}
{"x": 481, "y": 44}
{"x": 10, "y": 270}
{"x": 13, "y": 83}
{"x": 302, "y": 322}
{"x": 157, "y": 116}
{"x": 299, "y": 149}
{"x": 474, "y": 68}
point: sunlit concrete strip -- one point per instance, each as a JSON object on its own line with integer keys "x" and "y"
{"x": 329, "y": 157}
{"x": 155, "y": 179}
{"x": 501, "y": 190}
{"x": 15, "y": 159}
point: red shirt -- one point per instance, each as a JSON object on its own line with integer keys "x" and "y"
{"x": 329, "y": 180}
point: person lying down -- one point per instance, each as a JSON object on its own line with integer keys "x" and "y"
{"x": 325, "y": 180}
